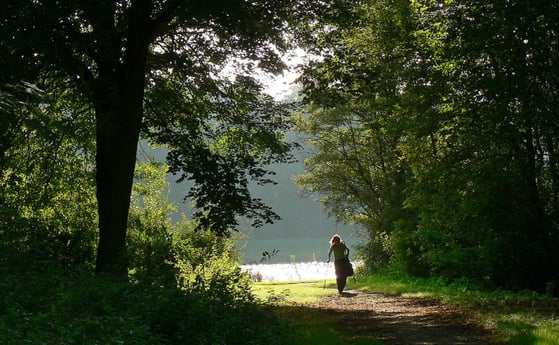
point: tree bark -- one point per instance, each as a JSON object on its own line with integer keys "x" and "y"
{"x": 116, "y": 152}
{"x": 119, "y": 111}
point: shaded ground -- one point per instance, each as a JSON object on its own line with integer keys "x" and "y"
{"x": 397, "y": 320}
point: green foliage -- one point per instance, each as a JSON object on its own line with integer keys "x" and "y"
{"x": 47, "y": 191}
{"x": 482, "y": 193}
{"x": 183, "y": 74}
{"x": 57, "y": 308}
{"x": 355, "y": 125}
{"x": 184, "y": 286}
{"x": 164, "y": 253}
{"x": 149, "y": 244}
{"x": 52, "y": 307}
{"x": 225, "y": 147}
{"x": 438, "y": 141}
{"x": 210, "y": 264}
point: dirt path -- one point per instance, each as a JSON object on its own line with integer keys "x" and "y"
{"x": 397, "y": 320}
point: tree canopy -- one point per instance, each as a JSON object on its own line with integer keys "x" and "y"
{"x": 433, "y": 123}
{"x": 435, "y": 128}
{"x": 160, "y": 68}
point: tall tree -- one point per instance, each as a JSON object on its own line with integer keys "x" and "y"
{"x": 354, "y": 121}
{"x": 112, "y": 51}
{"x": 498, "y": 143}
{"x": 470, "y": 88}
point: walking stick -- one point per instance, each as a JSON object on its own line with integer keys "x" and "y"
{"x": 326, "y": 275}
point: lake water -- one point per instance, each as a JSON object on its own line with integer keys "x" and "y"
{"x": 298, "y": 243}
{"x": 291, "y": 271}
{"x": 291, "y": 250}
{"x": 294, "y": 258}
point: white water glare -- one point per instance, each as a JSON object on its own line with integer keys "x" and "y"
{"x": 290, "y": 272}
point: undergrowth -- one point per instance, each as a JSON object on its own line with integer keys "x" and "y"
{"x": 54, "y": 307}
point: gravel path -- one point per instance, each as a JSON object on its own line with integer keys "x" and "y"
{"x": 396, "y": 320}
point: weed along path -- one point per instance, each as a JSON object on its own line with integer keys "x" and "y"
{"x": 396, "y": 320}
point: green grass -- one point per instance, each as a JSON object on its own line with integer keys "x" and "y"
{"x": 310, "y": 326}
{"x": 56, "y": 308}
{"x": 523, "y": 318}
{"x": 292, "y": 292}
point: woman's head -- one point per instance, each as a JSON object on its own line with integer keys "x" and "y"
{"x": 336, "y": 239}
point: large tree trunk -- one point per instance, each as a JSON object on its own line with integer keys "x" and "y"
{"x": 117, "y": 137}
{"x": 116, "y": 154}
{"x": 119, "y": 110}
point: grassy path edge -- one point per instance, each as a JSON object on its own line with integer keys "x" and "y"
{"x": 524, "y": 318}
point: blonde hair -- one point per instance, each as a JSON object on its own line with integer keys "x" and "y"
{"x": 336, "y": 236}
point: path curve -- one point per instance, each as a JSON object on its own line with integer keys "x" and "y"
{"x": 397, "y": 320}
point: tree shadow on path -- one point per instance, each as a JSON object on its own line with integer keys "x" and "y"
{"x": 396, "y": 320}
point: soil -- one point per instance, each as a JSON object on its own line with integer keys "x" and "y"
{"x": 397, "y": 320}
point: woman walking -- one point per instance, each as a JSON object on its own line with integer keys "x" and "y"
{"x": 341, "y": 255}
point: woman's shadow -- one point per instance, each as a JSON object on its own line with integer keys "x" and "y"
{"x": 348, "y": 294}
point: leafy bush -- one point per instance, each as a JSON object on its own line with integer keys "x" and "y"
{"x": 53, "y": 307}
{"x": 47, "y": 181}
{"x": 184, "y": 286}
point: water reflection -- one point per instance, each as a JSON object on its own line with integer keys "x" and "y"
{"x": 290, "y": 271}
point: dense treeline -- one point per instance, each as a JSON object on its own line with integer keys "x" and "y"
{"x": 435, "y": 127}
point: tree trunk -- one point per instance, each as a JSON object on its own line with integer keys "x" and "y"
{"x": 119, "y": 111}
{"x": 117, "y": 137}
